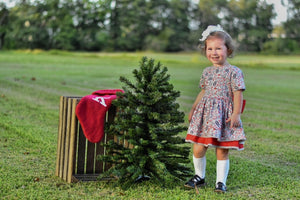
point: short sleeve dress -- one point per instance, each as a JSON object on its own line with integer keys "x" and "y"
{"x": 208, "y": 124}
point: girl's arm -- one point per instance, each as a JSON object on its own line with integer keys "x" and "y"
{"x": 235, "y": 118}
{"x": 199, "y": 97}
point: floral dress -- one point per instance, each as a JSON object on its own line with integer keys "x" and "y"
{"x": 208, "y": 124}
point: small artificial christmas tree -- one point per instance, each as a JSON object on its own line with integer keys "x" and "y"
{"x": 148, "y": 118}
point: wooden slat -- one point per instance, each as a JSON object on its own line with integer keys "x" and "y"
{"x": 76, "y": 144}
{"x": 62, "y": 150}
{"x": 81, "y": 152}
{"x": 76, "y": 134}
{"x": 99, "y": 151}
{"x": 73, "y": 131}
{"x": 90, "y": 158}
{"x": 67, "y": 139}
{"x": 110, "y": 117}
{"x": 60, "y": 132}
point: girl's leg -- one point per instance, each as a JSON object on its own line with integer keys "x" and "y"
{"x": 199, "y": 160}
{"x": 200, "y": 165}
{"x": 222, "y": 165}
{"x": 222, "y": 154}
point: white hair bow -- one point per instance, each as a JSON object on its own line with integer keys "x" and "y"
{"x": 210, "y": 29}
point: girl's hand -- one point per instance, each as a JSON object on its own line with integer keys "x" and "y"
{"x": 235, "y": 120}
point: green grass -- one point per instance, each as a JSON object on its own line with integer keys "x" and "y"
{"x": 31, "y": 83}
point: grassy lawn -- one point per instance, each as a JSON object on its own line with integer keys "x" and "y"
{"x": 31, "y": 83}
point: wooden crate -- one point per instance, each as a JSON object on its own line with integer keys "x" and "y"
{"x": 76, "y": 156}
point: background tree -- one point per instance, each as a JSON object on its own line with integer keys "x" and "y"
{"x": 158, "y": 39}
{"x": 249, "y": 22}
{"x": 115, "y": 23}
{"x": 286, "y": 36}
{"x": 292, "y": 25}
{"x": 123, "y": 25}
{"x": 131, "y": 23}
{"x": 178, "y": 22}
{"x": 148, "y": 118}
{"x": 88, "y": 18}
{"x": 3, "y": 23}
{"x": 56, "y": 19}
{"x": 24, "y": 27}
{"x": 209, "y": 11}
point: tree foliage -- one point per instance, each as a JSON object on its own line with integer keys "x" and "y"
{"x": 123, "y": 25}
{"x": 149, "y": 119}
{"x": 249, "y": 22}
{"x": 3, "y": 23}
{"x": 292, "y": 26}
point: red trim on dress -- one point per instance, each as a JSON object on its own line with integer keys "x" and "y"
{"x": 215, "y": 142}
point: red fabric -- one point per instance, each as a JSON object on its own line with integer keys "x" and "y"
{"x": 214, "y": 142}
{"x": 91, "y": 113}
{"x": 243, "y": 106}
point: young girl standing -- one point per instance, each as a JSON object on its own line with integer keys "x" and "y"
{"x": 215, "y": 118}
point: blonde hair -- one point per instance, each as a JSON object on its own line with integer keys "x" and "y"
{"x": 221, "y": 35}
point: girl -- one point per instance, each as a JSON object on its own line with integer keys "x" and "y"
{"x": 215, "y": 118}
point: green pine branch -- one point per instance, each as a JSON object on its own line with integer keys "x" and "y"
{"x": 149, "y": 119}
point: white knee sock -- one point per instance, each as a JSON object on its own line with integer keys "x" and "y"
{"x": 222, "y": 170}
{"x": 200, "y": 166}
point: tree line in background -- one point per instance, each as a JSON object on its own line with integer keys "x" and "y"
{"x": 133, "y": 25}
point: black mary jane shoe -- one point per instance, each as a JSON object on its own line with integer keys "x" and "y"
{"x": 196, "y": 180}
{"x": 220, "y": 187}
